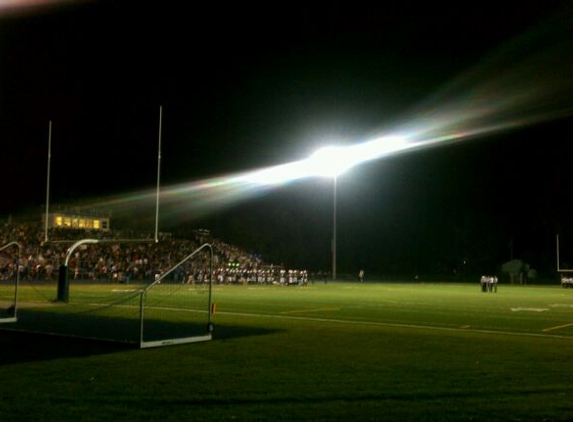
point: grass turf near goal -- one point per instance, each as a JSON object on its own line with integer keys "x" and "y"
{"x": 96, "y": 310}
{"x": 113, "y": 312}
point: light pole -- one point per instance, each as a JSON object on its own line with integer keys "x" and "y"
{"x": 334, "y": 178}
{"x": 334, "y": 160}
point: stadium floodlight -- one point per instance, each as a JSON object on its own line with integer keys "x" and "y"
{"x": 329, "y": 161}
{"x": 333, "y": 161}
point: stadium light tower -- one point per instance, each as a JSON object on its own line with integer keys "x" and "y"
{"x": 332, "y": 162}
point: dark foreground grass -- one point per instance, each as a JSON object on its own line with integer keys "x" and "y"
{"x": 322, "y": 353}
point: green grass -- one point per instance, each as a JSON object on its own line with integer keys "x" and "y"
{"x": 340, "y": 351}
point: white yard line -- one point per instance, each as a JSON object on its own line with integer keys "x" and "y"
{"x": 558, "y": 327}
{"x": 298, "y": 311}
{"x": 464, "y": 329}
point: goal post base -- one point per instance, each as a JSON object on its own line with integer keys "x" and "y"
{"x": 171, "y": 342}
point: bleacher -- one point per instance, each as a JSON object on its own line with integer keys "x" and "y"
{"x": 125, "y": 262}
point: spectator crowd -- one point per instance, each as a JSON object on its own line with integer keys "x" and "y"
{"x": 135, "y": 256}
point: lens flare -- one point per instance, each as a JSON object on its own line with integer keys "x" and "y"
{"x": 522, "y": 83}
{"x": 20, "y": 7}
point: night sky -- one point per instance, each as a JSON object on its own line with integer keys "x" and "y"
{"x": 245, "y": 87}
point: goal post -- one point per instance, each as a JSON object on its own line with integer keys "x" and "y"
{"x": 145, "y": 309}
{"x": 9, "y": 287}
{"x": 562, "y": 267}
{"x": 565, "y": 273}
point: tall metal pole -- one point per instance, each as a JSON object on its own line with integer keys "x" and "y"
{"x": 557, "y": 239}
{"x": 48, "y": 180}
{"x": 158, "y": 177}
{"x": 334, "y": 233}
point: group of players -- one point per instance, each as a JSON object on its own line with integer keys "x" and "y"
{"x": 488, "y": 283}
{"x": 276, "y": 276}
{"x": 566, "y": 281}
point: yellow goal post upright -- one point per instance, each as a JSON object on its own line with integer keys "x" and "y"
{"x": 559, "y": 269}
{"x": 63, "y": 277}
{"x": 166, "y": 311}
{"x": 9, "y": 291}
{"x": 565, "y": 274}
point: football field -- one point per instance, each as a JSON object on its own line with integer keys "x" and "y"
{"x": 336, "y": 351}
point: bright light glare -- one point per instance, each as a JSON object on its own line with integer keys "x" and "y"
{"x": 277, "y": 175}
{"x": 26, "y": 6}
{"x": 333, "y": 161}
{"x": 198, "y": 198}
{"x": 508, "y": 90}
{"x": 326, "y": 162}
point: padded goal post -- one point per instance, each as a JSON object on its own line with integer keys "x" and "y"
{"x": 9, "y": 284}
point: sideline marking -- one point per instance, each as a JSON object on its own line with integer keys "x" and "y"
{"x": 397, "y": 325}
{"x": 545, "y": 330}
{"x": 529, "y": 309}
{"x": 309, "y": 310}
